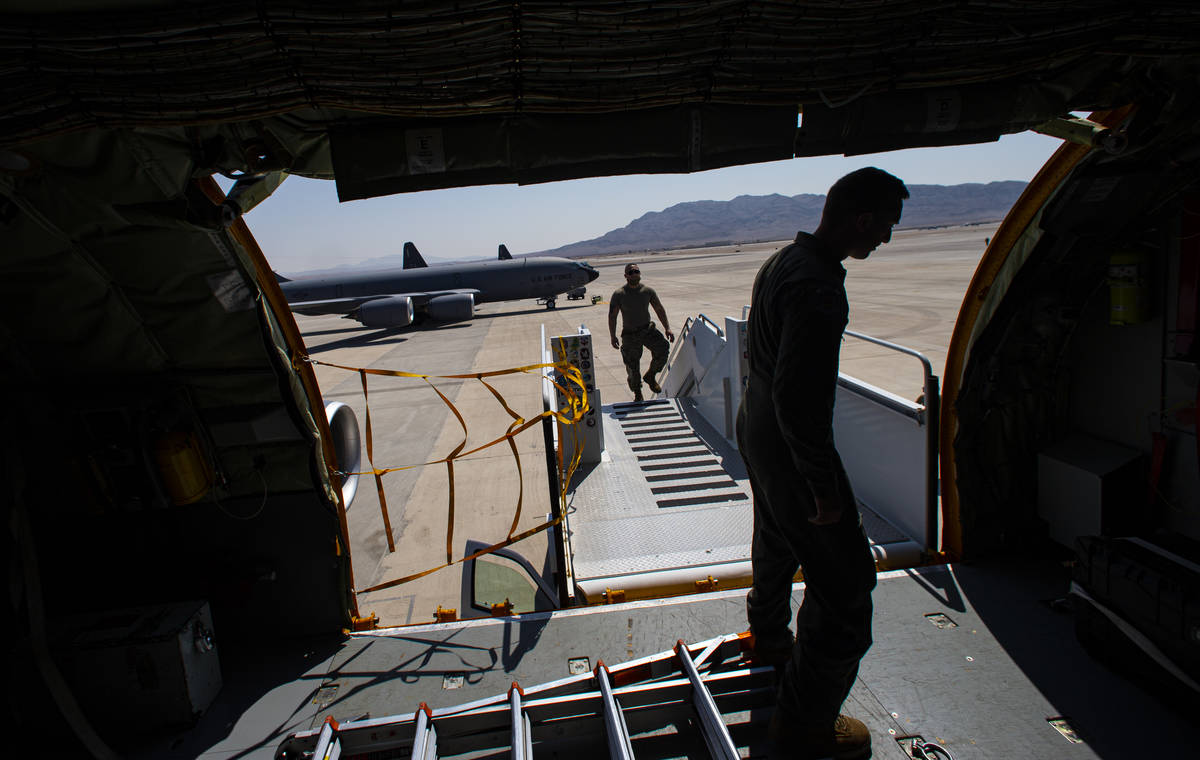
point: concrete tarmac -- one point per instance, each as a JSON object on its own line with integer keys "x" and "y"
{"x": 908, "y": 292}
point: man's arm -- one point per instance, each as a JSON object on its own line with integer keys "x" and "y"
{"x": 803, "y": 390}
{"x": 662, "y": 315}
{"x": 613, "y": 309}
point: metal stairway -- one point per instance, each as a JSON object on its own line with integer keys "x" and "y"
{"x": 668, "y": 507}
{"x": 656, "y": 706}
{"x": 899, "y": 494}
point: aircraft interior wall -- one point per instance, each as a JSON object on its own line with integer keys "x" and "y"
{"x": 98, "y": 566}
{"x": 131, "y": 330}
{"x": 1132, "y": 361}
{"x": 106, "y": 538}
{"x": 1086, "y": 375}
{"x": 1126, "y": 387}
{"x": 1113, "y": 375}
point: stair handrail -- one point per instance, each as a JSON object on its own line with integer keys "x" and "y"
{"x": 708, "y": 367}
{"x": 929, "y": 417}
{"x": 688, "y": 324}
{"x": 932, "y": 403}
{"x": 683, "y": 332}
{"x": 925, "y": 363}
{"x": 704, "y": 317}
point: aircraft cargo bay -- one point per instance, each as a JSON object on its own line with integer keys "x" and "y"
{"x": 952, "y": 662}
{"x": 240, "y": 525}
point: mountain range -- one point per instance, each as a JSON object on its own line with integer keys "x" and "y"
{"x": 754, "y": 218}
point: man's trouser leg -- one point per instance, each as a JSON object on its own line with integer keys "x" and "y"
{"x": 769, "y": 603}
{"x": 631, "y": 354}
{"x": 659, "y": 350}
{"x": 833, "y": 626}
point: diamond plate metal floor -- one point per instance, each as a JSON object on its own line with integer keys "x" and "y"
{"x": 670, "y": 494}
{"x": 662, "y": 499}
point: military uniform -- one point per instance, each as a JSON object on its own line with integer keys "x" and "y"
{"x": 785, "y": 433}
{"x": 637, "y": 331}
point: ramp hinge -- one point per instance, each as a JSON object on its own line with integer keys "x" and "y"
{"x": 368, "y": 623}
{"x": 707, "y": 584}
{"x": 614, "y": 595}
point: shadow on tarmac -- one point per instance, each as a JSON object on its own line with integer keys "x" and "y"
{"x": 348, "y": 329}
{"x": 378, "y": 337}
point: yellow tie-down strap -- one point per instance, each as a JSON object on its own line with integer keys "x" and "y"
{"x": 570, "y": 384}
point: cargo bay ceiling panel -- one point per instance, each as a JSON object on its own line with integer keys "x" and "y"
{"x": 394, "y": 97}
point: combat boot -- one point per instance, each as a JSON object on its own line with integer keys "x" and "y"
{"x": 847, "y": 739}
{"x": 637, "y": 395}
{"x": 654, "y": 386}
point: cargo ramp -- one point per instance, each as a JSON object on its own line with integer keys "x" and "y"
{"x": 661, "y": 502}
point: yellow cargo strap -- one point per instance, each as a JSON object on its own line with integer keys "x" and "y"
{"x": 573, "y": 390}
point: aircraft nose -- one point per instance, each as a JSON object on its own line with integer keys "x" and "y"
{"x": 592, "y": 274}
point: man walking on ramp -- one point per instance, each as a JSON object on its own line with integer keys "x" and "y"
{"x": 805, "y": 514}
{"x": 633, "y": 302}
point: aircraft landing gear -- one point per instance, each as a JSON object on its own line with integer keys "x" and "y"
{"x": 548, "y": 301}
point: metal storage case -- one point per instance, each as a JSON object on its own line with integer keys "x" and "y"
{"x": 147, "y": 667}
{"x": 1088, "y": 486}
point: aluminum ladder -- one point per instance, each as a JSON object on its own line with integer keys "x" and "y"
{"x": 633, "y": 708}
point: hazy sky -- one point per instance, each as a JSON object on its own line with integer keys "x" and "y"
{"x": 302, "y": 226}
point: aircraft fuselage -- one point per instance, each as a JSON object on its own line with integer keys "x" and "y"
{"x": 500, "y": 280}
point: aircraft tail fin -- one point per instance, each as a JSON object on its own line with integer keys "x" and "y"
{"x": 412, "y": 257}
{"x": 504, "y": 254}
{"x": 280, "y": 278}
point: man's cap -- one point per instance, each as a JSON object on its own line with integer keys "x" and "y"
{"x": 632, "y": 269}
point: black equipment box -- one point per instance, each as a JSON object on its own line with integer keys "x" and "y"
{"x": 1148, "y": 587}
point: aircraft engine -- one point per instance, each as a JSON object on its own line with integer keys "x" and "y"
{"x": 393, "y": 311}
{"x": 343, "y": 425}
{"x": 458, "y": 307}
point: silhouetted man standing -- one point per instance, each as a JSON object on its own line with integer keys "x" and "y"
{"x": 633, "y": 302}
{"x": 805, "y": 514}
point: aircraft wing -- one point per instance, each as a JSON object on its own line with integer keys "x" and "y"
{"x": 420, "y": 299}
{"x": 331, "y": 305}
{"x": 347, "y": 305}
{"x": 423, "y": 298}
